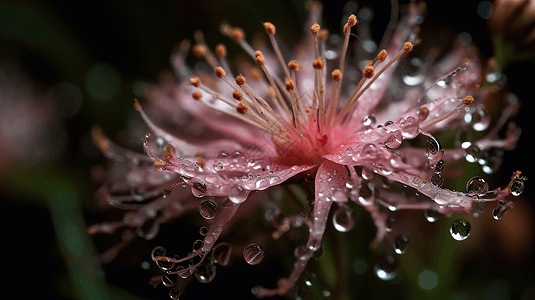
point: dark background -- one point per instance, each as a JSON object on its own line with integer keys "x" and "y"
{"x": 102, "y": 49}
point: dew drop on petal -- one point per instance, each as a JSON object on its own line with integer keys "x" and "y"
{"x": 386, "y": 267}
{"x": 460, "y": 230}
{"x": 394, "y": 140}
{"x": 203, "y": 231}
{"x": 477, "y": 186}
{"x": 174, "y": 294}
{"x": 344, "y": 218}
{"x": 221, "y": 254}
{"x": 253, "y": 254}
{"x": 517, "y": 187}
{"x": 238, "y": 194}
{"x": 401, "y": 244}
{"x": 208, "y": 209}
{"x": 205, "y": 272}
{"x": 431, "y": 215}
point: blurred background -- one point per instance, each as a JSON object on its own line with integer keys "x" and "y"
{"x": 66, "y": 66}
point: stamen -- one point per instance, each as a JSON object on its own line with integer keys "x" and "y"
{"x": 197, "y": 95}
{"x": 276, "y": 48}
{"x": 468, "y": 100}
{"x": 407, "y": 47}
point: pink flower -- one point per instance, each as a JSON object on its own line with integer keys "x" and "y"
{"x": 310, "y": 118}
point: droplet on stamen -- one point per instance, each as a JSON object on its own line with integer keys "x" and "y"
{"x": 517, "y": 187}
{"x": 477, "y": 186}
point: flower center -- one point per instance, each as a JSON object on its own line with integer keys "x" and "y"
{"x": 303, "y": 130}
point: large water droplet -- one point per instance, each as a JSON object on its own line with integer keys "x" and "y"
{"x": 401, "y": 244}
{"x": 517, "y": 187}
{"x": 174, "y": 294}
{"x": 221, "y": 254}
{"x": 477, "y": 186}
{"x": 386, "y": 267}
{"x": 253, "y": 254}
{"x": 238, "y": 194}
{"x": 205, "y": 272}
{"x": 460, "y": 230}
{"x": 344, "y": 218}
{"x": 431, "y": 215}
{"x": 208, "y": 209}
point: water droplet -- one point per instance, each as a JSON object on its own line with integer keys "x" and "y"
{"x": 221, "y": 254}
{"x": 203, "y": 231}
{"x": 401, "y": 244}
{"x": 439, "y": 167}
{"x": 174, "y": 294}
{"x": 517, "y": 187}
{"x": 386, "y": 267}
{"x": 369, "y": 120}
{"x": 197, "y": 245}
{"x": 394, "y": 140}
{"x": 477, "y": 186}
{"x": 500, "y": 210}
{"x": 366, "y": 194}
{"x": 166, "y": 193}
{"x": 253, "y": 254}
{"x": 205, "y": 272}
{"x": 167, "y": 281}
{"x": 344, "y": 218}
{"x": 238, "y": 194}
{"x": 433, "y": 149}
{"x": 198, "y": 189}
{"x": 431, "y": 215}
{"x": 369, "y": 151}
{"x": 183, "y": 273}
{"x": 460, "y": 230}
{"x": 157, "y": 251}
{"x": 414, "y": 75}
{"x": 208, "y": 209}
{"x": 390, "y": 224}
{"x": 437, "y": 179}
